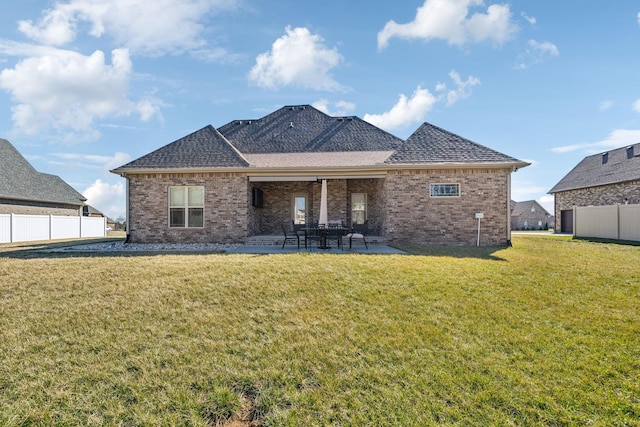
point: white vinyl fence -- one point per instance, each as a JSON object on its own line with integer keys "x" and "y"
{"x": 23, "y": 228}
{"x": 617, "y": 222}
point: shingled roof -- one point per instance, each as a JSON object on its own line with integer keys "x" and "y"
{"x": 204, "y": 148}
{"x": 303, "y": 128}
{"x": 431, "y": 144}
{"x": 20, "y": 181}
{"x": 611, "y": 167}
{"x": 302, "y": 136}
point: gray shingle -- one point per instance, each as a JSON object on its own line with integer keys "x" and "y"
{"x": 592, "y": 171}
{"x": 302, "y": 128}
{"x": 431, "y": 144}
{"x": 20, "y": 181}
{"x": 205, "y": 148}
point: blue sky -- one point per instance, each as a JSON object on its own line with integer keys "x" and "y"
{"x": 87, "y": 85}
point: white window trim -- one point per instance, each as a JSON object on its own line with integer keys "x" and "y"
{"x": 431, "y": 185}
{"x": 185, "y": 207}
{"x": 293, "y": 206}
{"x": 366, "y": 205}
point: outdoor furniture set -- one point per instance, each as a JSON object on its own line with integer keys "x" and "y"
{"x": 323, "y": 234}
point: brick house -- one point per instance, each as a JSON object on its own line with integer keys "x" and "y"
{"x": 250, "y": 176}
{"x": 608, "y": 178}
{"x": 24, "y": 190}
{"x": 529, "y": 215}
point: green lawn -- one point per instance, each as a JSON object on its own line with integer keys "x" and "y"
{"x": 544, "y": 333}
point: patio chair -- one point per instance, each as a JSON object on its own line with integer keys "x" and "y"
{"x": 335, "y": 231}
{"x": 289, "y": 237}
{"x": 312, "y": 234}
{"x": 299, "y": 229}
{"x": 358, "y": 231}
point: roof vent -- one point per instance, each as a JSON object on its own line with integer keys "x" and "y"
{"x": 292, "y": 108}
{"x": 291, "y": 124}
{"x": 248, "y": 122}
{"x": 341, "y": 119}
{"x": 629, "y": 151}
{"x": 605, "y": 158}
{"x": 303, "y": 107}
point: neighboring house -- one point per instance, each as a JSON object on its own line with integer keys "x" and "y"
{"x": 23, "y": 190}
{"x": 529, "y": 215}
{"x": 88, "y": 210}
{"x": 250, "y": 176}
{"x": 608, "y": 178}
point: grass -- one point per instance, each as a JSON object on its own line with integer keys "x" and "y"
{"x": 544, "y": 333}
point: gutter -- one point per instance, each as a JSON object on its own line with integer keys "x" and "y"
{"x": 378, "y": 169}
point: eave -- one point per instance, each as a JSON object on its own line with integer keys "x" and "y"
{"x": 325, "y": 171}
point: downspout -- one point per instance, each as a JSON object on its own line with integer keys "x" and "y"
{"x": 127, "y": 215}
{"x": 513, "y": 169}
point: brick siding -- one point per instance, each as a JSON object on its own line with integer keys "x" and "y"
{"x": 398, "y": 207}
{"x": 225, "y": 210}
{"x": 278, "y": 203}
{"x": 412, "y": 216}
{"x": 596, "y": 196}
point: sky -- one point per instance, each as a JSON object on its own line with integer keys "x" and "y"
{"x": 89, "y": 85}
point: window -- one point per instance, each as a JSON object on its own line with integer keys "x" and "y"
{"x": 533, "y": 209}
{"x": 444, "y": 190}
{"x": 186, "y": 207}
{"x": 299, "y": 208}
{"x": 358, "y": 208}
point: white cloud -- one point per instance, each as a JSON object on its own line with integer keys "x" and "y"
{"x": 450, "y": 21}
{"x": 638, "y": 16}
{"x": 605, "y": 105}
{"x": 416, "y": 108}
{"x": 298, "y": 58}
{"x": 530, "y": 19}
{"x": 522, "y": 191}
{"x": 107, "y": 198}
{"x": 91, "y": 161}
{"x": 616, "y": 139}
{"x": 548, "y": 202}
{"x": 342, "y": 108}
{"x": 536, "y": 53}
{"x": 462, "y": 90}
{"x": 66, "y": 91}
{"x": 406, "y": 110}
{"x": 149, "y": 27}
{"x": 636, "y": 106}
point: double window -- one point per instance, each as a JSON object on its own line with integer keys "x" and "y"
{"x": 186, "y": 207}
{"x": 444, "y": 190}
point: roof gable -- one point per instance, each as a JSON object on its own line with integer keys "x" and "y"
{"x": 431, "y": 144}
{"x": 303, "y": 128}
{"x": 204, "y": 148}
{"x": 518, "y": 208}
{"x": 611, "y": 167}
{"x": 20, "y": 181}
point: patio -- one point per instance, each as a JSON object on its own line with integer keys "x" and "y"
{"x": 272, "y": 243}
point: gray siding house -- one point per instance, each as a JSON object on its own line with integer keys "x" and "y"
{"x": 608, "y": 178}
{"x": 23, "y": 190}
{"x": 249, "y": 177}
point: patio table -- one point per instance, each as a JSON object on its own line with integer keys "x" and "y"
{"x": 325, "y": 231}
